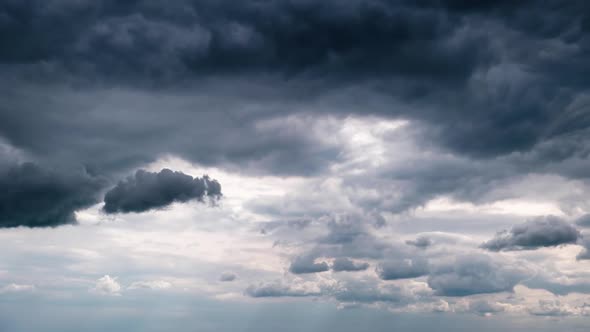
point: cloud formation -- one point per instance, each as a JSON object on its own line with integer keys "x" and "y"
{"x": 393, "y": 269}
{"x": 546, "y": 231}
{"x": 33, "y": 196}
{"x": 147, "y": 191}
{"x": 307, "y": 264}
{"x": 474, "y": 274}
{"x": 344, "y": 264}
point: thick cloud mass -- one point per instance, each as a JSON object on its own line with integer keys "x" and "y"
{"x": 146, "y": 191}
{"x": 307, "y": 264}
{"x": 35, "y": 197}
{"x": 402, "y": 269}
{"x": 474, "y": 274}
{"x": 541, "y": 232}
{"x": 344, "y": 264}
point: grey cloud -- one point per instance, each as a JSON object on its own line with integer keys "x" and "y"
{"x": 368, "y": 292}
{"x": 420, "y": 242}
{"x": 546, "y": 231}
{"x": 33, "y": 196}
{"x": 583, "y": 221}
{"x": 307, "y": 264}
{"x": 474, "y": 274}
{"x": 469, "y": 76}
{"x": 483, "y": 307}
{"x": 393, "y": 269}
{"x": 278, "y": 289}
{"x": 146, "y": 191}
{"x": 585, "y": 253}
{"x": 228, "y": 276}
{"x": 344, "y": 264}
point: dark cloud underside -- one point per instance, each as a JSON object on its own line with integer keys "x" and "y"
{"x": 147, "y": 191}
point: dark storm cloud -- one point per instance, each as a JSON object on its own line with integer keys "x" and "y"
{"x": 546, "y": 231}
{"x": 402, "y": 269}
{"x": 307, "y": 264}
{"x": 147, "y": 191}
{"x": 468, "y": 71}
{"x": 117, "y": 85}
{"x": 474, "y": 274}
{"x": 32, "y": 196}
{"x": 344, "y": 264}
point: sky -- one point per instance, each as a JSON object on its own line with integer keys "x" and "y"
{"x": 294, "y": 165}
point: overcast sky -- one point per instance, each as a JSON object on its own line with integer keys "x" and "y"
{"x": 294, "y": 165}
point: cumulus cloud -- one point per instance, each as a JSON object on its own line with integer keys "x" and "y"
{"x": 346, "y": 264}
{"x": 546, "y": 231}
{"x": 402, "y": 268}
{"x": 474, "y": 274}
{"x": 107, "y": 285}
{"x": 146, "y": 191}
{"x": 307, "y": 264}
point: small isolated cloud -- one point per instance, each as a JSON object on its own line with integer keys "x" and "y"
{"x": 228, "y": 276}
{"x": 546, "y": 231}
{"x": 344, "y": 264}
{"x": 154, "y": 284}
{"x": 107, "y": 286}
{"x": 307, "y": 264}
{"x": 16, "y": 288}
{"x": 402, "y": 268}
{"x": 147, "y": 191}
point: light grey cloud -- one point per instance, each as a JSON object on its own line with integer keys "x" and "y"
{"x": 278, "y": 289}
{"x": 228, "y": 277}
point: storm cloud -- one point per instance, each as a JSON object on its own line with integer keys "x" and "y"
{"x": 146, "y": 191}
{"x": 32, "y": 196}
{"x": 546, "y": 231}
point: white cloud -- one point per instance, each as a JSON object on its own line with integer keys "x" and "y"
{"x": 107, "y": 286}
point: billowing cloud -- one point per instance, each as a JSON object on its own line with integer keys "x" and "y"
{"x": 345, "y": 264}
{"x": 402, "y": 268}
{"x": 33, "y": 196}
{"x": 474, "y": 274}
{"x": 107, "y": 285}
{"x": 146, "y": 191}
{"x": 307, "y": 264}
{"x": 546, "y": 231}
